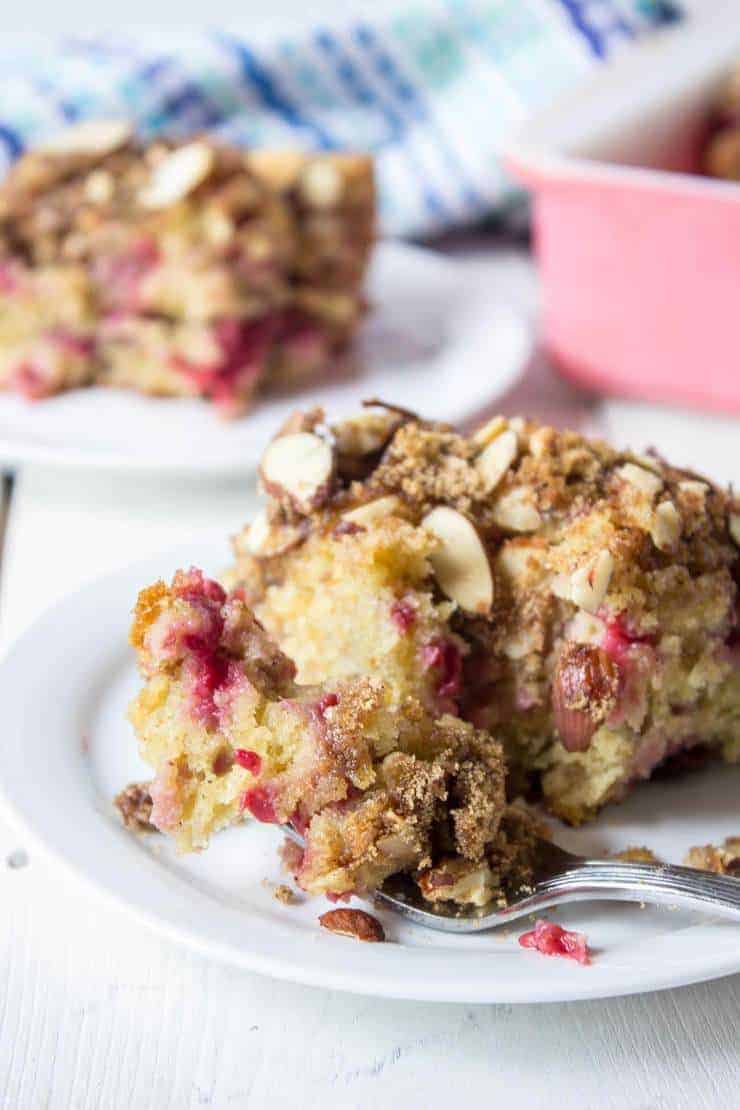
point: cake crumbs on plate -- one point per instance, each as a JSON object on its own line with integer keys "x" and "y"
{"x": 134, "y": 803}
{"x": 636, "y": 853}
{"x": 284, "y": 894}
{"x": 723, "y": 859}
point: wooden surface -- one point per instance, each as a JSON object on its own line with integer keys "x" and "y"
{"x": 96, "y": 1012}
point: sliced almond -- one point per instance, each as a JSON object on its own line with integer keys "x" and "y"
{"x": 177, "y": 175}
{"x": 734, "y": 526}
{"x": 589, "y": 584}
{"x": 353, "y": 923}
{"x": 373, "y": 511}
{"x": 265, "y": 538}
{"x": 649, "y": 463}
{"x": 694, "y": 489}
{"x": 366, "y": 433}
{"x": 517, "y": 512}
{"x": 299, "y": 467}
{"x": 321, "y": 184}
{"x": 99, "y": 187}
{"x": 277, "y": 168}
{"x": 643, "y": 480}
{"x": 666, "y": 529}
{"x": 495, "y": 459}
{"x": 489, "y": 431}
{"x": 218, "y": 228}
{"x": 585, "y": 688}
{"x": 520, "y": 562}
{"x": 460, "y": 562}
{"x": 458, "y": 880}
{"x": 94, "y": 136}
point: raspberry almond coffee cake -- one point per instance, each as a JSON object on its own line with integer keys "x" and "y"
{"x": 190, "y": 269}
{"x": 421, "y": 625}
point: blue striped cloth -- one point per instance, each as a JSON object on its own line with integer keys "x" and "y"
{"x": 432, "y": 90}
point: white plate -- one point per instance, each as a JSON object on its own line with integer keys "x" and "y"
{"x": 67, "y": 749}
{"x": 432, "y": 339}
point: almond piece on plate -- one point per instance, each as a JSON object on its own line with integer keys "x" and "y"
{"x": 94, "y": 136}
{"x": 353, "y": 923}
{"x": 298, "y": 467}
{"x": 460, "y": 563}
{"x": 177, "y": 175}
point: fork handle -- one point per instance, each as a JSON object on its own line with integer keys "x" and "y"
{"x": 662, "y": 884}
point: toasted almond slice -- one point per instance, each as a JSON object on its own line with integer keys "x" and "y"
{"x": 177, "y": 175}
{"x": 266, "y": 539}
{"x": 277, "y": 168}
{"x": 299, "y": 467}
{"x": 588, "y": 585}
{"x": 495, "y": 459}
{"x": 666, "y": 529}
{"x": 365, "y": 433}
{"x": 734, "y": 526}
{"x": 94, "y": 136}
{"x": 99, "y": 187}
{"x": 644, "y": 480}
{"x": 649, "y": 463}
{"x": 694, "y": 489}
{"x": 373, "y": 511}
{"x": 489, "y": 431}
{"x": 353, "y": 923}
{"x": 458, "y": 880}
{"x": 517, "y": 512}
{"x": 460, "y": 563}
{"x": 321, "y": 184}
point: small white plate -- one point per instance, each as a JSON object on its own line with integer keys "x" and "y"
{"x": 433, "y": 340}
{"x": 67, "y": 750}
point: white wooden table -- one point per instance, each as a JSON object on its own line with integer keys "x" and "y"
{"x": 96, "y": 1012}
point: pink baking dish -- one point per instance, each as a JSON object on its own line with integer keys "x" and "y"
{"x": 640, "y": 259}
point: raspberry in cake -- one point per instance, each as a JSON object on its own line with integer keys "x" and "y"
{"x": 372, "y": 784}
{"x": 188, "y": 269}
{"x": 577, "y": 602}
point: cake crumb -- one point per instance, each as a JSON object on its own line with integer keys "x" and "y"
{"x": 636, "y": 853}
{"x": 134, "y": 803}
{"x": 284, "y": 894}
{"x": 723, "y": 859}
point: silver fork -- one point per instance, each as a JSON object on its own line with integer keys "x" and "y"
{"x": 560, "y": 877}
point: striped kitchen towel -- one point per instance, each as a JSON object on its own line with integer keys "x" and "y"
{"x": 431, "y": 89}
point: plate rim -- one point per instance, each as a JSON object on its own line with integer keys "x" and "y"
{"x": 372, "y": 970}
